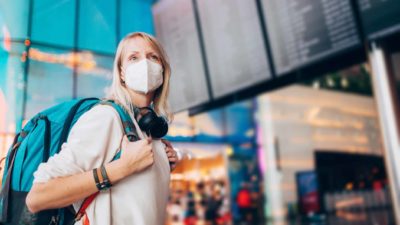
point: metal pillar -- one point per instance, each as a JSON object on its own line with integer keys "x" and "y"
{"x": 387, "y": 117}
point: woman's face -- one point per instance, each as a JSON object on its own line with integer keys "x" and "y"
{"x": 136, "y": 50}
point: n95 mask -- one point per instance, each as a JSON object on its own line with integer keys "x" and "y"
{"x": 144, "y": 76}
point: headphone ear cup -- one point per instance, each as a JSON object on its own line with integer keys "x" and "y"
{"x": 145, "y": 123}
{"x": 159, "y": 128}
{"x": 154, "y": 125}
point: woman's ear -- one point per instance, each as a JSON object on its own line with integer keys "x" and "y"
{"x": 122, "y": 71}
{"x": 122, "y": 76}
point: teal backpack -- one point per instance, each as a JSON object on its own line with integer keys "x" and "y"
{"x": 40, "y": 139}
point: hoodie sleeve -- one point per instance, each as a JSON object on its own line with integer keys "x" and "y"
{"x": 93, "y": 140}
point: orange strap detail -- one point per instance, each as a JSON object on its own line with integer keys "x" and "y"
{"x": 86, "y": 220}
{"x": 82, "y": 210}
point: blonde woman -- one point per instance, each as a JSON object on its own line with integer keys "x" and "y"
{"x": 140, "y": 177}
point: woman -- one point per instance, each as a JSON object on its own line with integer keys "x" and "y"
{"x": 140, "y": 177}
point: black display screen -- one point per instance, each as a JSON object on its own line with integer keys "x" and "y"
{"x": 379, "y": 17}
{"x": 234, "y": 45}
{"x": 304, "y": 31}
{"x": 176, "y": 29}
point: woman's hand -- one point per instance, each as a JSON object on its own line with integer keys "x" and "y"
{"x": 137, "y": 155}
{"x": 171, "y": 154}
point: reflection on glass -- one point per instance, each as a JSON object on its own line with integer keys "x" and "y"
{"x": 14, "y": 19}
{"x": 94, "y": 76}
{"x": 11, "y": 87}
{"x": 53, "y": 22}
{"x": 97, "y": 30}
{"x": 138, "y": 13}
{"x": 49, "y": 78}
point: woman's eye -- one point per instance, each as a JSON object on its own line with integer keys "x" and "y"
{"x": 154, "y": 57}
{"x": 132, "y": 58}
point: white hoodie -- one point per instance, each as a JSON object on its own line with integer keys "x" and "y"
{"x": 139, "y": 199}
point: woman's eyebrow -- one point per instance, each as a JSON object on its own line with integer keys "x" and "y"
{"x": 151, "y": 52}
{"x": 133, "y": 52}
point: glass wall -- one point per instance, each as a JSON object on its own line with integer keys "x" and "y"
{"x": 53, "y": 51}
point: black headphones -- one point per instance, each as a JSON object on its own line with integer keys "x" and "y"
{"x": 154, "y": 125}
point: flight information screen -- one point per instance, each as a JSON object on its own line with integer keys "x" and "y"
{"x": 301, "y": 32}
{"x": 379, "y": 17}
{"x": 234, "y": 45}
{"x": 176, "y": 29}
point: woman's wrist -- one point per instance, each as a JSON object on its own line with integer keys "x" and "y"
{"x": 117, "y": 170}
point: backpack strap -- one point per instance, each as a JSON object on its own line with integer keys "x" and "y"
{"x": 9, "y": 165}
{"x": 47, "y": 137}
{"x": 130, "y": 131}
{"x": 70, "y": 118}
{"x": 5, "y": 191}
{"x": 126, "y": 120}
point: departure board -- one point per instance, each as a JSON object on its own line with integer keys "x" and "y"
{"x": 301, "y": 32}
{"x": 379, "y": 17}
{"x": 234, "y": 45}
{"x": 176, "y": 29}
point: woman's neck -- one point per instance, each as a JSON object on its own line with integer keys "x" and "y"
{"x": 141, "y": 99}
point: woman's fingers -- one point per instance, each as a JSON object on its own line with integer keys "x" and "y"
{"x": 171, "y": 152}
{"x": 171, "y": 155}
{"x": 173, "y": 160}
{"x": 167, "y": 143}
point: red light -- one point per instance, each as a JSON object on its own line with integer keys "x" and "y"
{"x": 27, "y": 42}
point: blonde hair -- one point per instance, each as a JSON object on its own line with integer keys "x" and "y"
{"x": 119, "y": 92}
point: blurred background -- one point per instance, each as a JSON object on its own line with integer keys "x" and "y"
{"x": 287, "y": 111}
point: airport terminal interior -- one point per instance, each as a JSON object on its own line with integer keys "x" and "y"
{"x": 286, "y": 112}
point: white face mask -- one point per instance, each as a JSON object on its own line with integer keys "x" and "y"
{"x": 144, "y": 76}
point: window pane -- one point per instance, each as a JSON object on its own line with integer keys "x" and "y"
{"x": 94, "y": 75}
{"x": 14, "y": 18}
{"x": 210, "y": 126}
{"x": 181, "y": 127}
{"x": 11, "y": 88}
{"x": 136, "y": 16}
{"x": 240, "y": 124}
{"x": 49, "y": 79}
{"x": 97, "y": 25}
{"x": 53, "y": 22}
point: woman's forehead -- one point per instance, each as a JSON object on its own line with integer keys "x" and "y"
{"x": 138, "y": 44}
